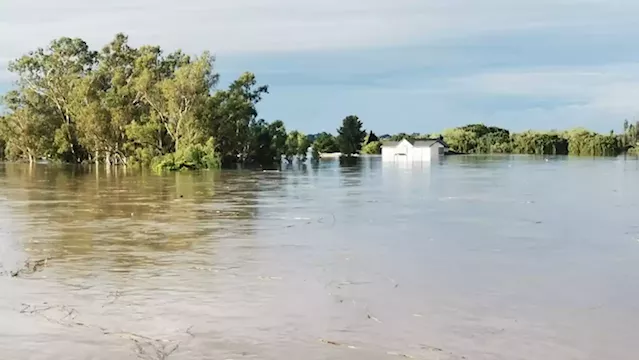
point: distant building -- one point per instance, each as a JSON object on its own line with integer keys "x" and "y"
{"x": 413, "y": 151}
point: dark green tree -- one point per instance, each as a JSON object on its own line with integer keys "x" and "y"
{"x": 371, "y": 137}
{"x": 325, "y": 143}
{"x": 350, "y": 135}
{"x": 374, "y": 147}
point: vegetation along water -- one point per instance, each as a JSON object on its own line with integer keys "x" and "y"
{"x": 128, "y": 105}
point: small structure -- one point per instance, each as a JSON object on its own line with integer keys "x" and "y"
{"x": 414, "y": 151}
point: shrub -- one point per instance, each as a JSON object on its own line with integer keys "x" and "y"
{"x": 373, "y": 147}
{"x": 191, "y": 157}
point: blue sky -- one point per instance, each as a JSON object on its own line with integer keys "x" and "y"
{"x": 401, "y": 65}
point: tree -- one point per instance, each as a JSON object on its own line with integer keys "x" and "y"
{"x": 25, "y": 130}
{"x": 48, "y": 77}
{"x": 371, "y": 137}
{"x": 125, "y": 105}
{"x": 230, "y": 113}
{"x": 278, "y": 134}
{"x": 267, "y": 142}
{"x": 374, "y": 147}
{"x": 461, "y": 140}
{"x": 350, "y": 135}
{"x": 297, "y": 146}
{"x": 325, "y": 143}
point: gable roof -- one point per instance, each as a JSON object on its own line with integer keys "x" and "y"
{"x": 417, "y": 143}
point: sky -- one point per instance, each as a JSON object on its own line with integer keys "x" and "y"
{"x": 400, "y": 65}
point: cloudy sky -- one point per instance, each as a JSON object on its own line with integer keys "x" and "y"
{"x": 401, "y": 65}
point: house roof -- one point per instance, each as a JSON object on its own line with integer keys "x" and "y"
{"x": 416, "y": 143}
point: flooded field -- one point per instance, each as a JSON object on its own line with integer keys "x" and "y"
{"x": 470, "y": 258}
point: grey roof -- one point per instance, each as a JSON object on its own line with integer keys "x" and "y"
{"x": 417, "y": 143}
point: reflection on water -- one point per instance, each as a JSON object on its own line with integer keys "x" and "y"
{"x": 476, "y": 257}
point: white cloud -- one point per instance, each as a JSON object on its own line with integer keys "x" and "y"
{"x": 255, "y": 27}
{"x": 610, "y": 87}
{"x": 292, "y": 25}
{"x": 598, "y": 97}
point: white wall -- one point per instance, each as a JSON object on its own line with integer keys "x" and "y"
{"x": 435, "y": 150}
{"x": 421, "y": 154}
{"x": 411, "y": 153}
{"x": 387, "y": 153}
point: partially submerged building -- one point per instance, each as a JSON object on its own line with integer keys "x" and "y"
{"x": 413, "y": 151}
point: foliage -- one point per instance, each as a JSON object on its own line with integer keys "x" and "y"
{"x": 400, "y": 136}
{"x": 350, "y": 135}
{"x": 633, "y": 150}
{"x": 266, "y": 142}
{"x": 374, "y": 147}
{"x": 478, "y": 138}
{"x": 124, "y": 104}
{"x": 629, "y": 137}
{"x": 371, "y": 137}
{"x": 231, "y": 114}
{"x": 325, "y": 143}
{"x": 296, "y": 146}
{"x": 189, "y": 157}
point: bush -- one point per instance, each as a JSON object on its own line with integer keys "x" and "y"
{"x": 373, "y": 147}
{"x": 192, "y": 157}
{"x": 633, "y": 150}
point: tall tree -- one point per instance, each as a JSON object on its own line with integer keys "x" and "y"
{"x": 230, "y": 114}
{"x": 52, "y": 74}
{"x": 371, "y": 137}
{"x": 26, "y": 129}
{"x": 325, "y": 143}
{"x": 296, "y": 146}
{"x": 350, "y": 135}
{"x": 267, "y": 142}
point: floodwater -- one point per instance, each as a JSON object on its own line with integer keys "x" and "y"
{"x": 472, "y": 257}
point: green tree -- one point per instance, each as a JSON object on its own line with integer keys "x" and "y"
{"x": 48, "y": 77}
{"x": 125, "y": 103}
{"x": 325, "y": 143}
{"x": 374, "y": 147}
{"x": 25, "y": 130}
{"x": 371, "y": 137}
{"x": 350, "y": 135}
{"x": 230, "y": 114}
{"x": 297, "y": 146}
{"x": 461, "y": 140}
{"x": 267, "y": 142}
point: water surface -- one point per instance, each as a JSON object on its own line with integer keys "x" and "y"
{"x": 481, "y": 257}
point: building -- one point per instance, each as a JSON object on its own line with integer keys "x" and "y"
{"x": 413, "y": 151}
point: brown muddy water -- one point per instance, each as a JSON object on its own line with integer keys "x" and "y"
{"x": 468, "y": 258}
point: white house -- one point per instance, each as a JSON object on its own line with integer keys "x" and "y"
{"x": 419, "y": 150}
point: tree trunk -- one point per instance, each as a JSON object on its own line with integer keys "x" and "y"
{"x": 107, "y": 158}
{"x": 97, "y": 158}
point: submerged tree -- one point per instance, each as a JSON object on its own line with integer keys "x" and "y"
{"x": 296, "y": 146}
{"x": 125, "y": 104}
{"x": 350, "y": 135}
{"x": 325, "y": 143}
{"x": 374, "y": 147}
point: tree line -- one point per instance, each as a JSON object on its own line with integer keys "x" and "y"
{"x": 479, "y": 138}
{"x": 482, "y": 139}
{"x": 128, "y": 105}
